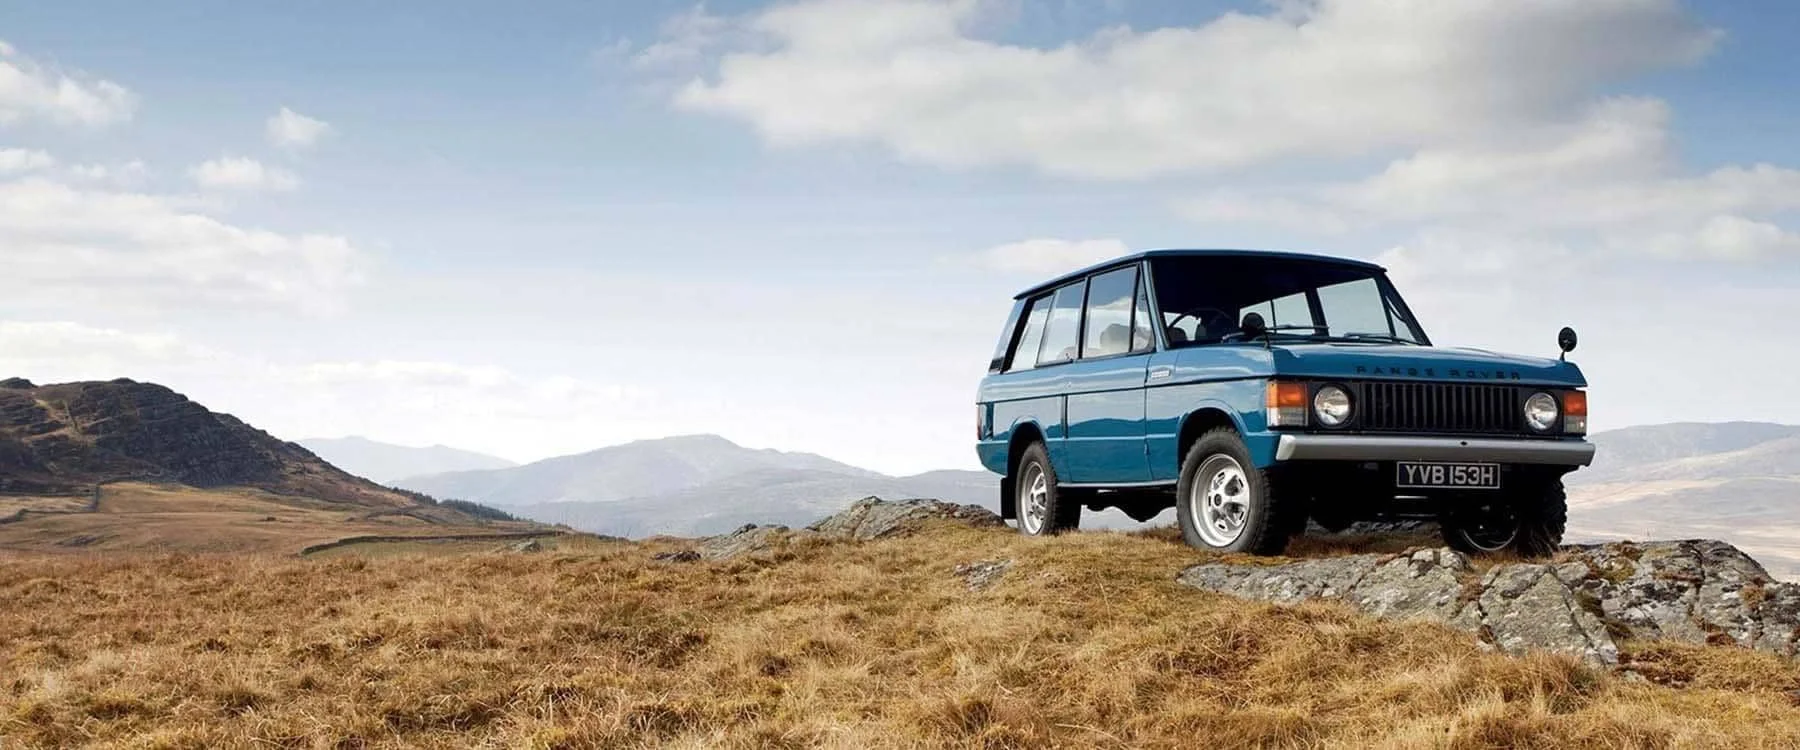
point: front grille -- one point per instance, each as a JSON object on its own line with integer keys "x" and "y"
{"x": 1439, "y": 407}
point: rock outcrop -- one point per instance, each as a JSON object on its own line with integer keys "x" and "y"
{"x": 865, "y": 519}
{"x": 874, "y": 518}
{"x": 1583, "y": 602}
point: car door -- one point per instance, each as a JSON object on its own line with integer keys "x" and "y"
{"x": 1104, "y": 386}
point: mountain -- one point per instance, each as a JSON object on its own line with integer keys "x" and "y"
{"x": 767, "y": 496}
{"x": 123, "y": 465}
{"x": 691, "y": 484}
{"x": 1625, "y": 453}
{"x": 387, "y": 463}
{"x": 638, "y": 469}
{"x": 1735, "y": 481}
{"x": 70, "y": 436}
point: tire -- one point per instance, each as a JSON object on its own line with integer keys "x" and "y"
{"x": 1055, "y": 513}
{"x": 1225, "y": 504}
{"x": 1528, "y": 522}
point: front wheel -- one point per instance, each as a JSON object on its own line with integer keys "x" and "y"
{"x": 1224, "y": 503}
{"x": 1528, "y": 521}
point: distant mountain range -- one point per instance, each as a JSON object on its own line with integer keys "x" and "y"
{"x": 1734, "y": 481}
{"x": 692, "y": 485}
{"x": 387, "y": 463}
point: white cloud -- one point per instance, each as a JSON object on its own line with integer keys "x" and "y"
{"x": 1047, "y": 256}
{"x": 1729, "y": 238}
{"x": 290, "y": 129}
{"x": 24, "y": 160}
{"x": 30, "y": 346}
{"x": 241, "y": 173}
{"x": 127, "y": 174}
{"x": 1607, "y": 183}
{"x": 29, "y": 90}
{"x": 70, "y": 247}
{"x": 1320, "y": 78}
{"x": 686, "y": 39}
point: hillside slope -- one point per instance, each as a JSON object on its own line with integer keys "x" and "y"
{"x": 70, "y": 436}
{"x": 955, "y": 638}
{"x": 387, "y": 463}
{"x": 123, "y": 465}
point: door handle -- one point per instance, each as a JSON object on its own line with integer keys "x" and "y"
{"x": 1162, "y": 371}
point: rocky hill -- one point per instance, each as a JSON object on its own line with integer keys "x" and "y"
{"x": 69, "y": 437}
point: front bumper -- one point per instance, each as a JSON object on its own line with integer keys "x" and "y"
{"x": 1399, "y": 448}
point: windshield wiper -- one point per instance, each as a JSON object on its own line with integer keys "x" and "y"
{"x": 1376, "y": 337}
{"x": 1268, "y": 332}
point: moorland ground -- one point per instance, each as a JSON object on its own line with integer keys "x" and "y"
{"x": 1085, "y": 641}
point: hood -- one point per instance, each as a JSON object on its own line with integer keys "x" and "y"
{"x": 1400, "y": 362}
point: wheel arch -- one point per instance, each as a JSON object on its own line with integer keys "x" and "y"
{"x": 1200, "y": 421}
{"x": 1023, "y": 434}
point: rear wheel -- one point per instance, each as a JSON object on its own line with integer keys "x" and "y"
{"x": 1528, "y": 521}
{"x": 1224, "y": 503}
{"x": 1042, "y": 510}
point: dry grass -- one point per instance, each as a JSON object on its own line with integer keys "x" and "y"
{"x": 1085, "y": 642}
{"x": 11, "y": 505}
{"x": 138, "y": 516}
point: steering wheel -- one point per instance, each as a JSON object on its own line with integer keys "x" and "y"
{"x": 1197, "y": 314}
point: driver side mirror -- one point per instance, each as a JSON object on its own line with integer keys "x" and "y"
{"x": 1565, "y": 340}
{"x": 1253, "y": 325}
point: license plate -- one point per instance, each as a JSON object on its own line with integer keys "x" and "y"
{"x": 1447, "y": 475}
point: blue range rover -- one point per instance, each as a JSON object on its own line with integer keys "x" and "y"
{"x": 1254, "y": 391}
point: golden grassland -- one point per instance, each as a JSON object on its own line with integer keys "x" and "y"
{"x": 1086, "y": 641}
{"x": 139, "y": 516}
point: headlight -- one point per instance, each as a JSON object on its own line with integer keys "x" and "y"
{"x": 1541, "y": 412}
{"x": 1332, "y": 405}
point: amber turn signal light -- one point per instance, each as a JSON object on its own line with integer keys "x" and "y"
{"x": 1574, "y": 404}
{"x": 1286, "y": 404}
{"x": 1283, "y": 395}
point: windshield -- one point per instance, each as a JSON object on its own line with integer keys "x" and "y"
{"x": 1204, "y": 299}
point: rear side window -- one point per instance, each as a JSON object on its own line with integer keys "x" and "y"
{"x": 1008, "y": 335}
{"x": 1062, "y": 333}
{"x": 1109, "y": 323}
{"x": 1025, "y": 355}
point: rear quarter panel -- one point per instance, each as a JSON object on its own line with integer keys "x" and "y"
{"x": 1017, "y": 399}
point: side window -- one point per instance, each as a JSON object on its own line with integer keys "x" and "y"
{"x": 1289, "y": 310}
{"x": 1025, "y": 355}
{"x": 1143, "y": 339}
{"x": 1062, "y": 333}
{"x": 1109, "y": 301}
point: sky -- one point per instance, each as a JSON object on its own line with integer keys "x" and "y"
{"x": 800, "y": 225}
